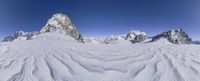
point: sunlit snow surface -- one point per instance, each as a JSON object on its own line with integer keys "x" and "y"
{"x": 55, "y": 57}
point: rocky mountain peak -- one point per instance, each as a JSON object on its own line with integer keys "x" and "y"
{"x": 136, "y": 36}
{"x": 62, "y": 23}
{"x": 177, "y": 36}
{"x": 57, "y": 23}
{"x": 133, "y": 33}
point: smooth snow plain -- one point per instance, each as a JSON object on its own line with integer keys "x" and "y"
{"x": 57, "y": 57}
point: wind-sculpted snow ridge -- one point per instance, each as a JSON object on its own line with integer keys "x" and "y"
{"x": 64, "y": 59}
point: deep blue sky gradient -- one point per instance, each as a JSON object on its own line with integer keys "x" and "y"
{"x": 103, "y": 17}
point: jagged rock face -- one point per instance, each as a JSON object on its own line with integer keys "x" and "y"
{"x": 133, "y": 33}
{"x": 139, "y": 38}
{"x": 20, "y": 36}
{"x": 175, "y": 36}
{"x": 136, "y": 36}
{"x": 61, "y": 23}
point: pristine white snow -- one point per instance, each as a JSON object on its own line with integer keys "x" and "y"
{"x": 57, "y": 57}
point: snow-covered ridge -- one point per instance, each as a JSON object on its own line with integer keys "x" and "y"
{"x": 177, "y": 36}
{"x": 136, "y": 36}
{"x": 93, "y": 40}
{"x": 112, "y": 39}
{"x": 21, "y": 35}
{"x": 61, "y": 23}
{"x": 133, "y": 36}
{"x": 133, "y": 33}
{"x": 53, "y": 55}
{"x": 57, "y": 23}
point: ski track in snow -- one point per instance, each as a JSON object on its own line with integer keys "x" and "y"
{"x": 39, "y": 60}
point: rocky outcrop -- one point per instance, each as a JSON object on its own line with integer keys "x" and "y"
{"x": 133, "y": 33}
{"x": 61, "y": 23}
{"x": 177, "y": 36}
{"x": 139, "y": 38}
{"x": 136, "y": 36}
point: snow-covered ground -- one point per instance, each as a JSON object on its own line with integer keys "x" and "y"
{"x": 56, "y": 57}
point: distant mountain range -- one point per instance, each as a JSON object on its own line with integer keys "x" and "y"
{"x": 58, "y": 52}
{"x": 62, "y": 24}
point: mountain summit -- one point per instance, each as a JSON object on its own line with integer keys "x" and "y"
{"x": 62, "y": 23}
{"x": 136, "y": 36}
{"x": 57, "y": 23}
{"x": 177, "y": 36}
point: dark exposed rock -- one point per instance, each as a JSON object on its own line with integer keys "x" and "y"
{"x": 133, "y": 33}
{"x": 139, "y": 38}
{"x": 175, "y": 36}
{"x": 62, "y": 23}
{"x": 136, "y": 36}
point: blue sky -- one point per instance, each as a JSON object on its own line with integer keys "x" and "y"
{"x": 103, "y": 17}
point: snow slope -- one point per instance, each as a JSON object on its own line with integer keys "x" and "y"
{"x": 57, "y": 57}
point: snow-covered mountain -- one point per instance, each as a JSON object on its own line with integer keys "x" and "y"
{"x": 136, "y": 36}
{"x": 54, "y": 54}
{"x": 177, "y": 36}
{"x": 113, "y": 39}
{"x": 61, "y": 23}
{"x": 93, "y": 40}
{"x": 133, "y": 36}
{"x": 133, "y": 33}
{"x": 58, "y": 23}
{"x": 21, "y": 35}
